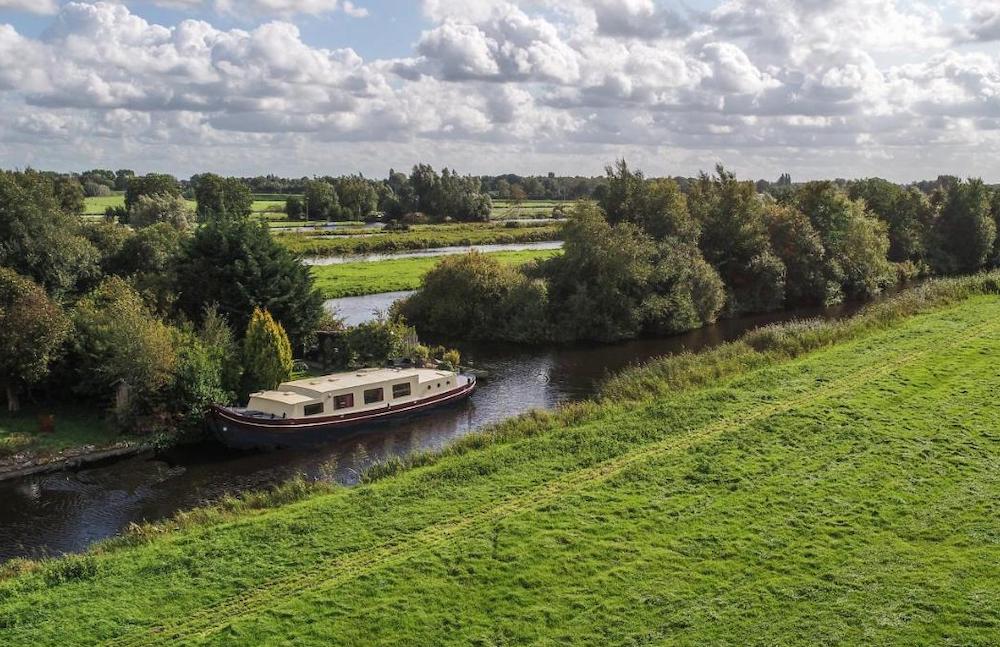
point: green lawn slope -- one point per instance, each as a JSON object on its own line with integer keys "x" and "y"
{"x": 818, "y": 484}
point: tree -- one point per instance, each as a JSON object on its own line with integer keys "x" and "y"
{"x": 321, "y": 201}
{"x": 39, "y": 240}
{"x": 32, "y": 329}
{"x": 122, "y": 178}
{"x": 152, "y": 184}
{"x": 69, "y": 194}
{"x": 658, "y": 206}
{"x": 267, "y": 353}
{"x": 294, "y": 207}
{"x": 600, "y": 279}
{"x": 219, "y": 197}
{"x": 907, "y": 212}
{"x": 358, "y": 198}
{"x": 965, "y": 231}
{"x": 239, "y": 266}
{"x": 856, "y": 243}
{"x": 160, "y": 208}
{"x": 118, "y": 340}
{"x": 208, "y": 369}
{"x": 799, "y": 246}
{"x": 735, "y": 241}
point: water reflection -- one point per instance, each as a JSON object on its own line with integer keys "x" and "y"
{"x": 434, "y": 251}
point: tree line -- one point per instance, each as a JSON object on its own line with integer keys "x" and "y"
{"x": 172, "y": 307}
{"x": 653, "y": 257}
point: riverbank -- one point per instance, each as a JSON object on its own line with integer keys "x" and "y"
{"x": 800, "y": 486}
{"x": 362, "y": 278}
{"x": 78, "y": 436}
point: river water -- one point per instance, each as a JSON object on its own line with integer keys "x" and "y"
{"x": 433, "y": 251}
{"x": 67, "y": 511}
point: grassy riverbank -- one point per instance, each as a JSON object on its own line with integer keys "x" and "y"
{"x": 74, "y": 427}
{"x": 827, "y": 483}
{"x": 419, "y": 237}
{"x": 357, "y": 279}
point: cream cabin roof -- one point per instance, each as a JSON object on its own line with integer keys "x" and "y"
{"x": 314, "y": 388}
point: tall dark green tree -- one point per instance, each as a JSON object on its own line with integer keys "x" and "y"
{"x": 239, "y": 266}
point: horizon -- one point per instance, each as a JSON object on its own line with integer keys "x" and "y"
{"x": 902, "y": 90}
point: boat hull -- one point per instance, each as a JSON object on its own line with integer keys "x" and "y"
{"x": 240, "y": 431}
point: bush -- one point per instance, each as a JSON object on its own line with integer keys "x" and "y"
{"x": 267, "y": 353}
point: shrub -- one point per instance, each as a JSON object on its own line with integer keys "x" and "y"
{"x": 267, "y": 353}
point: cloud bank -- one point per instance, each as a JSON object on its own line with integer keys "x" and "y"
{"x": 856, "y": 87}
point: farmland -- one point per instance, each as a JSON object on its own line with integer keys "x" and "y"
{"x": 356, "y": 279}
{"x": 822, "y": 483}
{"x": 269, "y": 207}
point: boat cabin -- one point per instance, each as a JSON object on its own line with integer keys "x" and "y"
{"x": 353, "y": 392}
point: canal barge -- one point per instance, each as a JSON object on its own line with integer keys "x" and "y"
{"x": 315, "y": 409}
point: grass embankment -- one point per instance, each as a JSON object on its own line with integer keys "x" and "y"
{"x": 75, "y": 427}
{"x": 357, "y": 279}
{"x": 844, "y": 496}
{"x": 419, "y": 237}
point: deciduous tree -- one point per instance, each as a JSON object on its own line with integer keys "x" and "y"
{"x": 32, "y": 330}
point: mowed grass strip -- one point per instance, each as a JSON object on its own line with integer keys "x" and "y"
{"x": 842, "y": 497}
{"x": 357, "y": 279}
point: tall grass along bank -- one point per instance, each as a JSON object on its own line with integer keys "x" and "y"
{"x": 815, "y": 483}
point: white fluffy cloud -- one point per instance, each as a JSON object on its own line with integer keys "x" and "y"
{"x": 812, "y": 87}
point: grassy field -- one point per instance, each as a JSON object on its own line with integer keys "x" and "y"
{"x": 844, "y": 496}
{"x": 74, "y": 427}
{"x": 97, "y": 206}
{"x": 505, "y": 209}
{"x": 419, "y": 237}
{"x": 356, "y": 279}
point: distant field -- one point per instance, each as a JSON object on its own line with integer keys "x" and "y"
{"x": 97, "y": 206}
{"x": 356, "y": 279}
{"x": 846, "y": 497}
{"x": 504, "y": 209}
{"x": 420, "y": 237}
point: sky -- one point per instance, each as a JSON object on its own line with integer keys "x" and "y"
{"x": 900, "y": 89}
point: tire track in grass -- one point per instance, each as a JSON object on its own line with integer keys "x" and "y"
{"x": 216, "y": 617}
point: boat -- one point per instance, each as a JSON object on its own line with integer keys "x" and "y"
{"x": 316, "y": 409}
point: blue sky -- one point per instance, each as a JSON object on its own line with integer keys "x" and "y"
{"x": 896, "y": 88}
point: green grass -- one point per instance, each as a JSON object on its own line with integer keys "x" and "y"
{"x": 356, "y": 279}
{"x": 96, "y": 206}
{"x": 75, "y": 426}
{"x": 503, "y": 209}
{"x": 419, "y": 237}
{"x": 846, "y": 496}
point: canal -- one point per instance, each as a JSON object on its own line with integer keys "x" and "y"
{"x": 67, "y": 511}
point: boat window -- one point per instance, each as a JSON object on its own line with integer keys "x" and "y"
{"x": 313, "y": 409}
{"x": 343, "y": 401}
{"x": 374, "y": 395}
{"x": 401, "y": 390}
